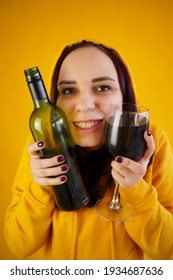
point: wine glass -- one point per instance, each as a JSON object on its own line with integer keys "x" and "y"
{"x": 124, "y": 136}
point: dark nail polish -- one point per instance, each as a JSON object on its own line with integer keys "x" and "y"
{"x": 149, "y": 133}
{"x": 40, "y": 144}
{"x": 60, "y": 158}
{"x": 119, "y": 159}
{"x": 65, "y": 168}
{"x": 63, "y": 178}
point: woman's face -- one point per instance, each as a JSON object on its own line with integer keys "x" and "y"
{"x": 87, "y": 85}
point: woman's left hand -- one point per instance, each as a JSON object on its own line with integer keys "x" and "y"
{"x": 128, "y": 172}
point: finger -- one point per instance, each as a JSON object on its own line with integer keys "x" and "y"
{"x": 51, "y": 172}
{"x": 122, "y": 165}
{"x": 34, "y": 148}
{"x": 150, "y": 147}
{"x": 51, "y": 181}
{"x": 47, "y": 162}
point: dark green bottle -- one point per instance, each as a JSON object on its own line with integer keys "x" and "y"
{"x": 49, "y": 124}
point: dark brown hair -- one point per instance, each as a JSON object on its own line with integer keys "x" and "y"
{"x": 122, "y": 72}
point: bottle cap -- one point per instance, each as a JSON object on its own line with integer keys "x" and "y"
{"x": 32, "y": 74}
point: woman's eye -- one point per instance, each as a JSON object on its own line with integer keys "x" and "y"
{"x": 103, "y": 88}
{"x": 68, "y": 91}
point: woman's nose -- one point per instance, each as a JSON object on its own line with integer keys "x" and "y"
{"x": 85, "y": 103}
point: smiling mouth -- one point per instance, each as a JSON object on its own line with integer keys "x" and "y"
{"x": 87, "y": 124}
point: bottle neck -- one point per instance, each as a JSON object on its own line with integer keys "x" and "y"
{"x": 38, "y": 91}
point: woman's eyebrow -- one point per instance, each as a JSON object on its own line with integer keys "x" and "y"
{"x": 98, "y": 79}
{"x": 66, "y": 82}
{"x": 104, "y": 78}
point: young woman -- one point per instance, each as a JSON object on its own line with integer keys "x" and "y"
{"x": 87, "y": 78}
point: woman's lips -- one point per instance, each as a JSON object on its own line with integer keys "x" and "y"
{"x": 89, "y": 125}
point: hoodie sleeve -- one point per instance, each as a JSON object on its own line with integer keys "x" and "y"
{"x": 152, "y": 199}
{"x": 29, "y": 216}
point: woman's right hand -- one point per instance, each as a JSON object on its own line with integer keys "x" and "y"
{"x": 47, "y": 171}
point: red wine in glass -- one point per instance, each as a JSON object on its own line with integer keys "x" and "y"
{"x": 127, "y": 137}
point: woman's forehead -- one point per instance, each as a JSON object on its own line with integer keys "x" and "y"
{"x": 89, "y": 60}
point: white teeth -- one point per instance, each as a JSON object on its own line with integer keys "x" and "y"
{"x": 87, "y": 125}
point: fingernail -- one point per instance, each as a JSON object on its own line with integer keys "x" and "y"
{"x": 148, "y": 133}
{"x": 119, "y": 159}
{"x": 64, "y": 168}
{"x": 60, "y": 158}
{"x": 40, "y": 144}
{"x": 63, "y": 178}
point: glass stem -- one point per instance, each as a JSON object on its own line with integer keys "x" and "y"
{"x": 115, "y": 203}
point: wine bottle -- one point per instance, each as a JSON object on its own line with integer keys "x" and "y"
{"x": 48, "y": 123}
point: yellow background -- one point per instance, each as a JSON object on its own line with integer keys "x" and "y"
{"x": 34, "y": 32}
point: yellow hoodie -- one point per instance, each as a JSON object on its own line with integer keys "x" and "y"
{"x": 36, "y": 229}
